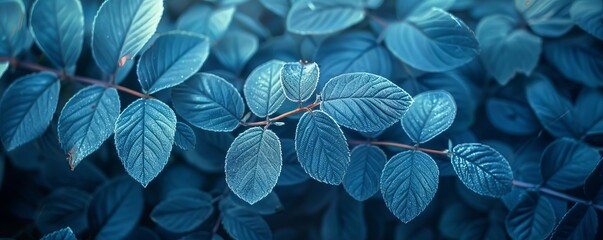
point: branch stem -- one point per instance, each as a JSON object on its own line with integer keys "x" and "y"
{"x": 555, "y": 194}
{"x": 400, "y": 145}
{"x": 284, "y": 115}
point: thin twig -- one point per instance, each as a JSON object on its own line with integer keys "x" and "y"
{"x": 555, "y": 194}
{"x": 284, "y": 115}
{"x": 400, "y": 145}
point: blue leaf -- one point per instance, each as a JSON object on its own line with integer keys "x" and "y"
{"x": 482, "y": 169}
{"x": 62, "y": 234}
{"x": 566, "y": 163}
{"x": 364, "y": 101}
{"x": 206, "y": 20}
{"x": 588, "y": 15}
{"x": 185, "y": 137}
{"x": 580, "y": 222}
{"x": 271, "y": 204}
{"x": 588, "y": 226}
{"x": 552, "y": 110}
{"x": 264, "y": 89}
{"x": 344, "y": 219}
{"x": 253, "y": 164}
{"x": 243, "y": 224}
{"x": 511, "y": 117}
{"x": 409, "y": 8}
{"x": 430, "y": 114}
{"x": 310, "y": 17}
{"x": 546, "y": 18}
{"x": 121, "y": 28}
{"x": 352, "y": 52}
{"x": 579, "y": 59}
{"x": 408, "y": 183}
{"x": 292, "y": 172}
{"x": 235, "y": 49}
{"x": 12, "y": 30}
{"x": 115, "y": 208}
{"x": 299, "y": 80}
{"x": 87, "y": 120}
{"x": 209, "y": 102}
{"x": 27, "y": 107}
{"x": 173, "y": 58}
{"x": 3, "y": 68}
{"x": 321, "y": 147}
{"x": 361, "y": 180}
{"x": 532, "y": 218}
{"x": 64, "y": 207}
{"x": 144, "y": 135}
{"x": 588, "y": 111}
{"x": 444, "y": 41}
{"x": 58, "y": 28}
{"x": 507, "y": 50}
{"x": 181, "y": 214}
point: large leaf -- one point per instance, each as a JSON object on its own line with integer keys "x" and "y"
{"x": 482, "y": 169}
{"x": 408, "y": 183}
{"x": 115, "y": 208}
{"x": 430, "y": 114}
{"x": 352, "y": 52}
{"x": 185, "y": 137}
{"x": 172, "y": 59}
{"x": 344, "y": 219}
{"x": 87, "y": 120}
{"x": 442, "y": 40}
{"x": 27, "y": 107}
{"x": 507, "y": 50}
{"x": 62, "y": 234}
{"x": 12, "y": 30}
{"x": 144, "y": 135}
{"x": 549, "y": 18}
{"x": 364, "y": 101}
{"x": 553, "y": 110}
{"x": 58, "y": 28}
{"x": 244, "y": 224}
{"x": 209, "y": 102}
{"x": 206, "y": 20}
{"x": 121, "y": 28}
{"x": 588, "y": 15}
{"x": 181, "y": 214}
{"x": 253, "y": 164}
{"x": 264, "y": 89}
{"x": 299, "y": 80}
{"x": 361, "y": 180}
{"x": 566, "y": 163}
{"x": 321, "y": 147}
{"x": 532, "y": 218}
{"x": 64, "y": 207}
{"x": 580, "y": 59}
{"x": 235, "y": 49}
{"x": 307, "y": 17}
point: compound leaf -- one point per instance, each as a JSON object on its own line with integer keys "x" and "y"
{"x": 430, "y": 114}
{"x": 507, "y": 50}
{"x": 86, "y": 121}
{"x": 244, "y": 224}
{"x": 361, "y": 180}
{"x": 185, "y": 137}
{"x": 209, "y": 102}
{"x": 27, "y": 107}
{"x": 566, "y": 163}
{"x": 364, "y": 101}
{"x": 321, "y": 147}
{"x": 173, "y": 58}
{"x": 444, "y": 41}
{"x": 121, "y": 28}
{"x": 253, "y": 164}
{"x": 144, "y": 135}
{"x": 532, "y": 218}
{"x": 115, "y": 208}
{"x": 62, "y": 234}
{"x": 408, "y": 183}
{"x": 58, "y": 28}
{"x": 181, "y": 214}
{"x": 482, "y": 169}
{"x": 308, "y": 17}
{"x": 299, "y": 80}
{"x": 264, "y": 89}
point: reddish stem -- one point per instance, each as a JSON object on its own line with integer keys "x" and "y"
{"x": 284, "y": 115}
{"x": 400, "y": 145}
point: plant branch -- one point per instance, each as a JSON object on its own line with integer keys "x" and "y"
{"x": 553, "y": 193}
{"x": 400, "y": 145}
{"x": 39, "y": 68}
{"x": 284, "y": 115}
